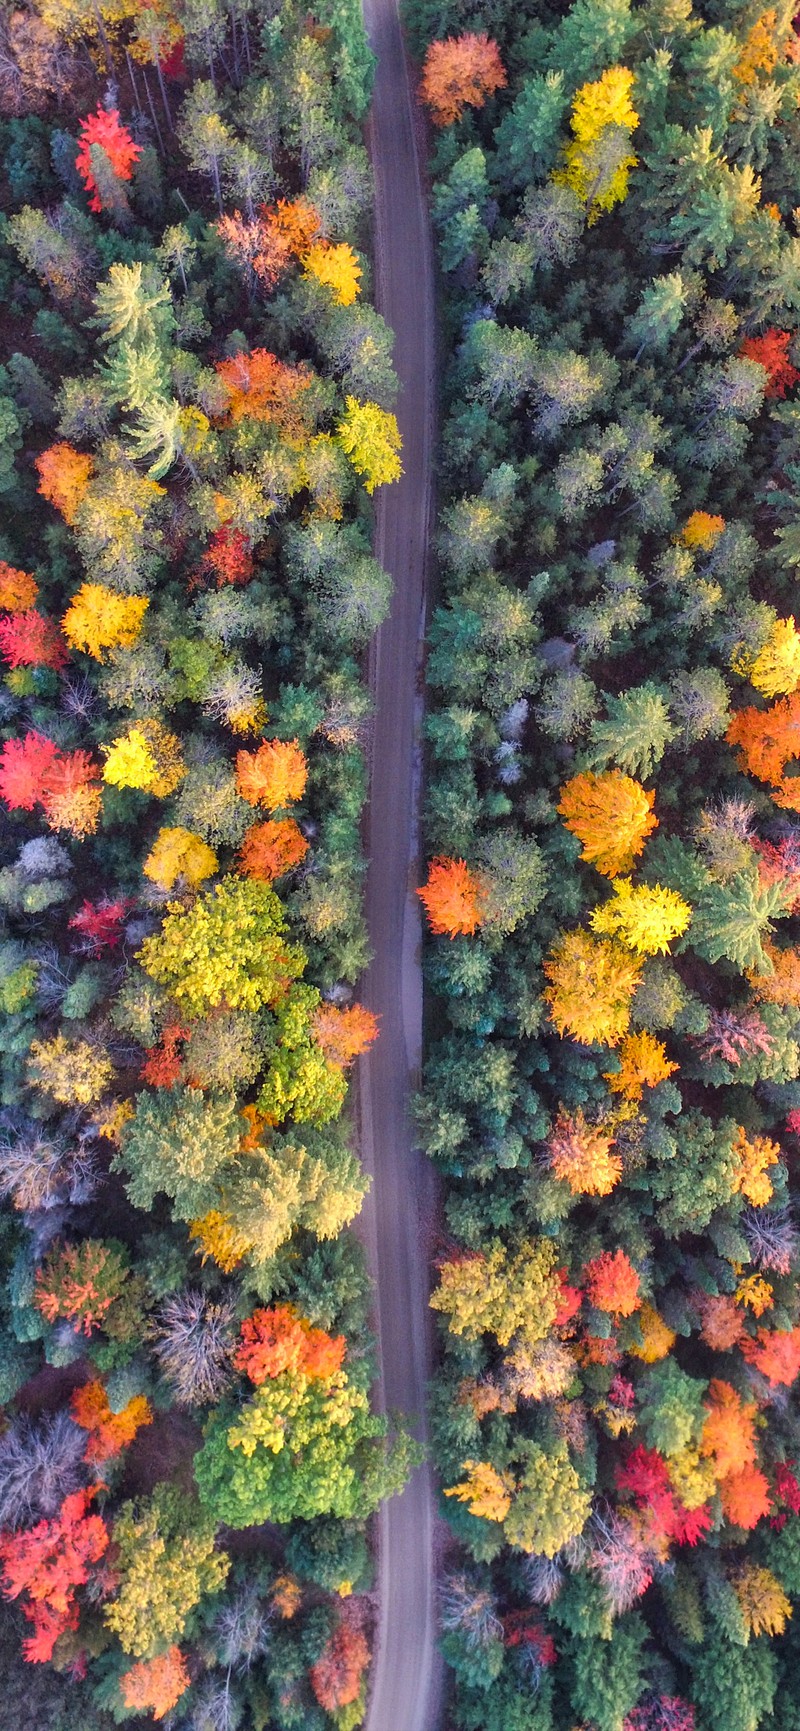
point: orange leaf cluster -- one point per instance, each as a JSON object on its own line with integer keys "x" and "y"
{"x": 336, "y": 1675}
{"x": 262, "y": 388}
{"x": 155, "y": 1685}
{"x": 64, "y": 476}
{"x": 612, "y": 1283}
{"x": 18, "y": 590}
{"x": 782, "y": 986}
{"x": 580, "y": 1153}
{"x": 643, "y": 1064}
{"x": 722, "y": 1322}
{"x": 269, "y": 850}
{"x": 109, "y": 1431}
{"x": 729, "y": 1431}
{"x": 286, "y": 1596}
{"x": 460, "y": 72}
{"x": 163, "y": 1063}
{"x": 702, "y": 530}
{"x": 452, "y": 898}
{"x": 273, "y": 776}
{"x": 776, "y": 1353}
{"x": 276, "y": 1340}
{"x": 611, "y": 815}
{"x": 745, "y": 1497}
{"x": 769, "y": 739}
{"x": 344, "y": 1034}
{"x": 270, "y": 241}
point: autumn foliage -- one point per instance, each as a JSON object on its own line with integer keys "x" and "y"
{"x": 31, "y": 640}
{"x": 768, "y": 741}
{"x": 276, "y": 1340}
{"x": 453, "y": 898}
{"x": 18, "y": 590}
{"x": 34, "y": 771}
{"x": 64, "y": 476}
{"x": 45, "y": 1566}
{"x": 612, "y": 1283}
{"x": 273, "y": 776}
{"x": 270, "y": 850}
{"x": 344, "y": 1034}
{"x": 155, "y": 1685}
{"x": 611, "y": 815}
{"x": 336, "y": 1675}
{"x": 771, "y": 352}
{"x": 105, "y": 129}
{"x": 581, "y": 1154}
{"x": 263, "y": 388}
{"x": 98, "y": 619}
{"x": 109, "y": 1431}
{"x": 460, "y": 72}
{"x": 591, "y": 982}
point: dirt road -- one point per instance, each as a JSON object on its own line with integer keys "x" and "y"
{"x": 406, "y": 1680}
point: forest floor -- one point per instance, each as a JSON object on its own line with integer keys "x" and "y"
{"x": 399, "y": 1215}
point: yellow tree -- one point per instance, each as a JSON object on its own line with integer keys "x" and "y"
{"x": 591, "y": 985}
{"x": 97, "y": 619}
{"x": 486, "y": 1491}
{"x": 643, "y": 917}
{"x": 370, "y": 437}
{"x": 580, "y": 1153}
{"x": 598, "y": 161}
{"x": 775, "y": 670}
{"x": 337, "y": 268}
{"x": 643, "y": 1063}
{"x": 611, "y": 815}
{"x": 179, "y": 853}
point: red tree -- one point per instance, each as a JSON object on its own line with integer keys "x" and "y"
{"x": 47, "y": 1564}
{"x": 228, "y": 558}
{"x": 771, "y": 352}
{"x": 612, "y": 1283}
{"x": 24, "y": 767}
{"x": 31, "y": 640}
{"x": 106, "y": 130}
{"x": 100, "y": 923}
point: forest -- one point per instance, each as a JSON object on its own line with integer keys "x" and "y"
{"x": 612, "y": 1090}
{"x": 196, "y": 407}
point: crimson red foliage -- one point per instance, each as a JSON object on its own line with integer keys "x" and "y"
{"x": 30, "y": 640}
{"x": 100, "y": 923}
{"x": 519, "y": 1630}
